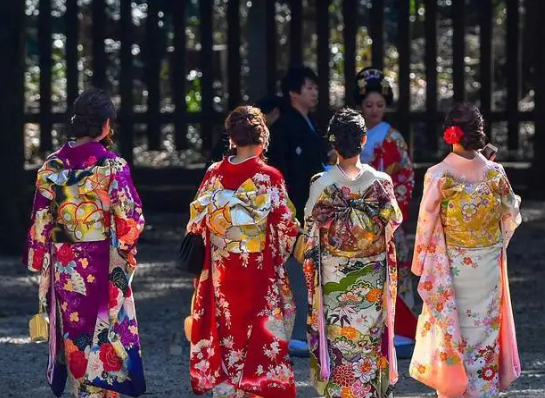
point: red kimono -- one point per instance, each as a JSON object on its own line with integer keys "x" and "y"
{"x": 243, "y": 309}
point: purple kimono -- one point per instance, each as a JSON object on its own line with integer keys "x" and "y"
{"x": 86, "y": 221}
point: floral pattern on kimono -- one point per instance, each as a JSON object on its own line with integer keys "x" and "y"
{"x": 350, "y": 266}
{"x": 392, "y": 157}
{"x": 464, "y": 226}
{"x": 243, "y": 310}
{"x": 86, "y": 220}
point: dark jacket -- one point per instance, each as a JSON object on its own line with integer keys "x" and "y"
{"x": 299, "y": 152}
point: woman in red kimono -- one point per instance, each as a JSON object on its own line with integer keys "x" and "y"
{"x": 386, "y": 151}
{"x": 243, "y": 310}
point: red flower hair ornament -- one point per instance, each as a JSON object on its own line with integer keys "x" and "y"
{"x": 453, "y": 135}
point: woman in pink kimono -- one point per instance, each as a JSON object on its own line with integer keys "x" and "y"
{"x": 86, "y": 220}
{"x": 466, "y": 344}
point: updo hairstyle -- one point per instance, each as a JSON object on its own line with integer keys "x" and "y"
{"x": 346, "y": 131}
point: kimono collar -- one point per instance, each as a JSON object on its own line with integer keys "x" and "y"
{"x": 460, "y": 163}
{"x": 82, "y": 155}
{"x": 339, "y": 176}
{"x": 375, "y": 136}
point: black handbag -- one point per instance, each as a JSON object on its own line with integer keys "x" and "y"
{"x": 191, "y": 254}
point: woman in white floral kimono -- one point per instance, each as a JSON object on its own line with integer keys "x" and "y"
{"x": 351, "y": 270}
{"x": 466, "y": 344}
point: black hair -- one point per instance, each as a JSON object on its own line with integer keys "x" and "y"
{"x": 91, "y": 110}
{"x": 371, "y": 80}
{"x": 268, "y": 102}
{"x": 346, "y": 131}
{"x": 468, "y": 117}
{"x": 295, "y": 79}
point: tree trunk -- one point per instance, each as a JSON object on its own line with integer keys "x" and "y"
{"x": 13, "y": 206}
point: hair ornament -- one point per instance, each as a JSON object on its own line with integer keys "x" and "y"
{"x": 385, "y": 84}
{"x": 453, "y": 135}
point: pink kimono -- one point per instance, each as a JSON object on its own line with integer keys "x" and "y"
{"x": 465, "y": 342}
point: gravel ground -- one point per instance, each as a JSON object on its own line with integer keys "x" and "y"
{"x": 163, "y": 294}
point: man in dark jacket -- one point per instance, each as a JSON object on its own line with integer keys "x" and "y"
{"x": 299, "y": 152}
{"x": 296, "y": 148}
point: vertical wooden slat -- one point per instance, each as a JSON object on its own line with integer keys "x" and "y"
{"x": 99, "y": 34}
{"x": 126, "y": 140}
{"x": 15, "y": 200}
{"x": 270, "y": 41}
{"x": 72, "y": 39}
{"x": 179, "y": 73}
{"x": 514, "y": 70}
{"x": 430, "y": 31}
{"x": 233, "y": 53}
{"x": 350, "y": 12}
{"x": 206, "y": 55}
{"x": 153, "y": 54}
{"x": 296, "y": 32}
{"x": 377, "y": 33}
{"x": 458, "y": 48}
{"x": 322, "y": 23}
{"x": 45, "y": 63}
{"x": 535, "y": 179}
{"x": 486, "y": 61}
{"x": 404, "y": 50}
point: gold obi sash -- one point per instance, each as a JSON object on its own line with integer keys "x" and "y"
{"x": 80, "y": 203}
{"x": 237, "y": 220}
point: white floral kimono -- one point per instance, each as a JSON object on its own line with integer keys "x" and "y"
{"x": 466, "y": 343}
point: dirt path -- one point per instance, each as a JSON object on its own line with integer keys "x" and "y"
{"x": 163, "y": 298}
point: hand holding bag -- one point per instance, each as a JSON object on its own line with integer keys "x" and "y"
{"x": 38, "y": 327}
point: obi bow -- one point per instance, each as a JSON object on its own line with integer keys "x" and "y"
{"x": 227, "y": 208}
{"x": 339, "y": 207}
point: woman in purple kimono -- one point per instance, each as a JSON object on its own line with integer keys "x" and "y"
{"x": 86, "y": 220}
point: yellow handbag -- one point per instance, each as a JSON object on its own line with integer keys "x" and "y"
{"x": 38, "y": 327}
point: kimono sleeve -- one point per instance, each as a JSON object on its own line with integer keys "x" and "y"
{"x": 126, "y": 207}
{"x": 428, "y": 216}
{"x": 37, "y": 255}
{"x": 511, "y": 217}
{"x": 312, "y": 238}
{"x": 282, "y": 221}
{"x": 401, "y": 169}
{"x": 197, "y": 219}
{"x": 390, "y": 212}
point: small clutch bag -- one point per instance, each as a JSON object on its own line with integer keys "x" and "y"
{"x": 38, "y": 327}
{"x": 191, "y": 254}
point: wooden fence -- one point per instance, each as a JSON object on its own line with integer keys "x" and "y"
{"x": 208, "y": 117}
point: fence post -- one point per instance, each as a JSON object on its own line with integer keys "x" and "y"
{"x": 126, "y": 81}
{"x": 46, "y": 63}
{"x": 12, "y": 66}
{"x": 350, "y": 13}
{"x": 322, "y": 19}
{"x": 430, "y": 28}
{"x": 538, "y": 164}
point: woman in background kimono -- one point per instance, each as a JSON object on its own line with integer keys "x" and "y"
{"x": 387, "y": 151}
{"x": 351, "y": 271}
{"x": 243, "y": 310}
{"x": 466, "y": 344}
{"x": 86, "y": 220}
